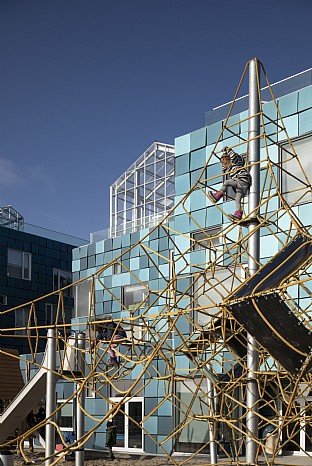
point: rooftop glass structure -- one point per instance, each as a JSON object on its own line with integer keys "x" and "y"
{"x": 143, "y": 194}
{"x": 10, "y": 218}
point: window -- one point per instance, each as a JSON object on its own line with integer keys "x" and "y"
{"x": 294, "y": 183}
{"x": 66, "y": 415}
{"x": 62, "y": 278}
{"x": 117, "y": 268}
{"x": 19, "y": 264}
{"x": 21, "y": 320}
{"x": 207, "y": 238}
{"x": 63, "y": 316}
{"x": 3, "y": 300}
{"x": 194, "y": 434}
{"x": 135, "y": 296}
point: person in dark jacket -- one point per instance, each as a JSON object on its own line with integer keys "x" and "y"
{"x": 239, "y": 179}
{"x": 112, "y": 333}
{"x": 111, "y": 439}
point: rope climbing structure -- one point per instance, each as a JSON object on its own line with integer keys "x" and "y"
{"x": 188, "y": 339}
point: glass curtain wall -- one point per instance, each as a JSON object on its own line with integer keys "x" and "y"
{"x": 143, "y": 195}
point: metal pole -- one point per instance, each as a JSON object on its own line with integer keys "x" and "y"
{"x": 252, "y": 397}
{"x": 80, "y": 401}
{"x": 212, "y": 444}
{"x": 50, "y": 396}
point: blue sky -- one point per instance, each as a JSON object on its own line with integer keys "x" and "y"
{"x": 87, "y": 85}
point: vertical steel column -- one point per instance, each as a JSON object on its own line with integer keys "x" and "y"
{"x": 80, "y": 401}
{"x": 211, "y": 429}
{"x": 252, "y": 396}
{"x": 50, "y": 395}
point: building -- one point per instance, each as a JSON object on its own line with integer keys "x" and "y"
{"x": 34, "y": 263}
{"x": 162, "y": 272}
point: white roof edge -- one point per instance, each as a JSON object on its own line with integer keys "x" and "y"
{"x": 266, "y": 87}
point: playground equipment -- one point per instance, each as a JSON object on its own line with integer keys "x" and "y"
{"x": 245, "y": 360}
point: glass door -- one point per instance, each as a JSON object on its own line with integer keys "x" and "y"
{"x": 129, "y": 433}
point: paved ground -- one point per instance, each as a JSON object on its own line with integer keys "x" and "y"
{"x": 99, "y": 459}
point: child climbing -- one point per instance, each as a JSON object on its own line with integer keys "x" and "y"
{"x": 110, "y": 331}
{"x": 239, "y": 179}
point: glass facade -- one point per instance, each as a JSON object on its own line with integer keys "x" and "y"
{"x": 143, "y": 195}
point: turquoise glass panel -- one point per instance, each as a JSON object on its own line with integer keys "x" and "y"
{"x": 268, "y": 246}
{"x": 182, "y": 164}
{"x": 244, "y": 122}
{"x": 135, "y": 263}
{"x": 305, "y": 99}
{"x": 305, "y": 214}
{"x": 270, "y": 110}
{"x": 151, "y": 424}
{"x": 165, "y": 409}
{"x": 182, "y": 243}
{"x": 214, "y": 216}
{"x": 76, "y": 266}
{"x": 198, "y": 138}
{"x": 305, "y": 121}
{"x": 210, "y": 156}
{"x": 99, "y": 260}
{"x": 199, "y": 217}
{"x": 292, "y": 127}
{"x": 198, "y": 159}
{"x": 213, "y": 132}
{"x": 232, "y": 126}
{"x": 288, "y": 104}
{"x": 99, "y": 247}
{"x": 271, "y": 131}
{"x": 196, "y": 176}
{"x": 182, "y": 184}
{"x": 182, "y": 144}
{"x": 144, "y": 274}
{"x": 198, "y": 200}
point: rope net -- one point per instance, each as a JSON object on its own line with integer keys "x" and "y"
{"x": 183, "y": 344}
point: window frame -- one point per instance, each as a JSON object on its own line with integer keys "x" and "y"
{"x": 135, "y": 305}
{"x": 68, "y": 291}
{"x": 199, "y": 243}
{"x": 23, "y": 314}
{"x": 22, "y": 266}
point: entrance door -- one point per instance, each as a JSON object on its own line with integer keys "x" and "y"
{"x": 129, "y": 434}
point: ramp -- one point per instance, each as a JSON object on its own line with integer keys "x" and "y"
{"x": 262, "y": 311}
{"x": 24, "y": 402}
